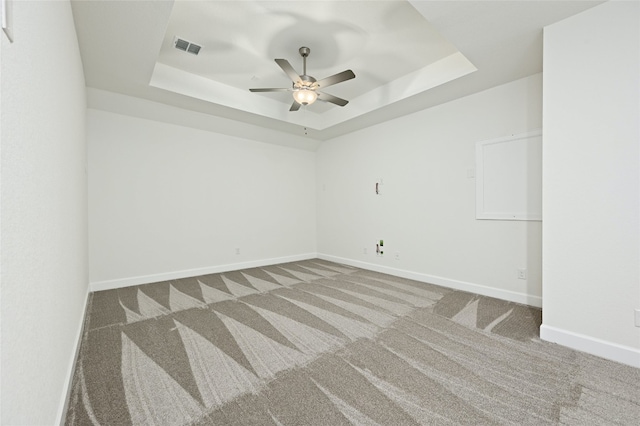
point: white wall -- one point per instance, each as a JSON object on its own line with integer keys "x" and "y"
{"x": 169, "y": 201}
{"x": 591, "y": 181}
{"x": 426, "y": 210}
{"x": 43, "y": 210}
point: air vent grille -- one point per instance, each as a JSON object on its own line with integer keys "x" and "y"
{"x": 186, "y": 46}
{"x": 193, "y": 48}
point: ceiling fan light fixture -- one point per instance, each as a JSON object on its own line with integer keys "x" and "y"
{"x": 305, "y": 96}
{"x": 304, "y": 86}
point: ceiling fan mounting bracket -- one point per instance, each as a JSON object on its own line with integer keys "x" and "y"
{"x": 304, "y": 51}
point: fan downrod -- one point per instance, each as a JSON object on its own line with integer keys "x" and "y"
{"x": 304, "y": 52}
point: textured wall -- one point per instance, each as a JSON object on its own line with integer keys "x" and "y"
{"x": 167, "y": 199}
{"x": 44, "y": 210}
{"x": 426, "y": 209}
{"x": 591, "y": 176}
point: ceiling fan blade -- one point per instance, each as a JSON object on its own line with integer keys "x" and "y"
{"x": 336, "y": 78}
{"x": 288, "y": 69}
{"x": 294, "y": 106}
{"x": 333, "y": 99}
{"x": 270, "y": 90}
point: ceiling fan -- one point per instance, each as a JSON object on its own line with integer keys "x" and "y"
{"x": 305, "y": 88}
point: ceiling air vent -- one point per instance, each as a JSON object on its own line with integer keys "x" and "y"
{"x": 186, "y": 46}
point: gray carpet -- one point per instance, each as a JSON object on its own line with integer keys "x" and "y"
{"x": 318, "y": 343}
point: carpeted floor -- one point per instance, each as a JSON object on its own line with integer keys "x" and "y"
{"x": 318, "y": 343}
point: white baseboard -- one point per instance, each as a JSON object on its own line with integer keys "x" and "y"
{"x": 523, "y": 298}
{"x": 619, "y": 353}
{"x": 174, "y": 275}
{"x": 66, "y": 391}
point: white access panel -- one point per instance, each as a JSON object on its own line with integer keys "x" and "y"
{"x": 509, "y": 177}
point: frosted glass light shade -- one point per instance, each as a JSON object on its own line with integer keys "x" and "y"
{"x": 305, "y": 96}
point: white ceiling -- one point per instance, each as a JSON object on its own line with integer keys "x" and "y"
{"x": 406, "y": 56}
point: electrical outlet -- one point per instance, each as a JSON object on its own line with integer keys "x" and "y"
{"x": 522, "y": 274}
{"x": 237, "y": 250}
{"x": 637, "y": 317}
{"x": 397, "y": 255}
{"x": 364, "y": 250}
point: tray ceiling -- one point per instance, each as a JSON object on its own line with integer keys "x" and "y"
{"x": 407, "y": 55}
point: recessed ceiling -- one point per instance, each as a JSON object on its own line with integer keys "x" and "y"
{"x": 392, "y": 48}
{"x": 407, "y": 55}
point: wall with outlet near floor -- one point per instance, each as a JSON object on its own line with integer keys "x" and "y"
{"x": 423, "y": 167}
{"x": 591, "y": 181}
{"x": 168, "y": 201}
